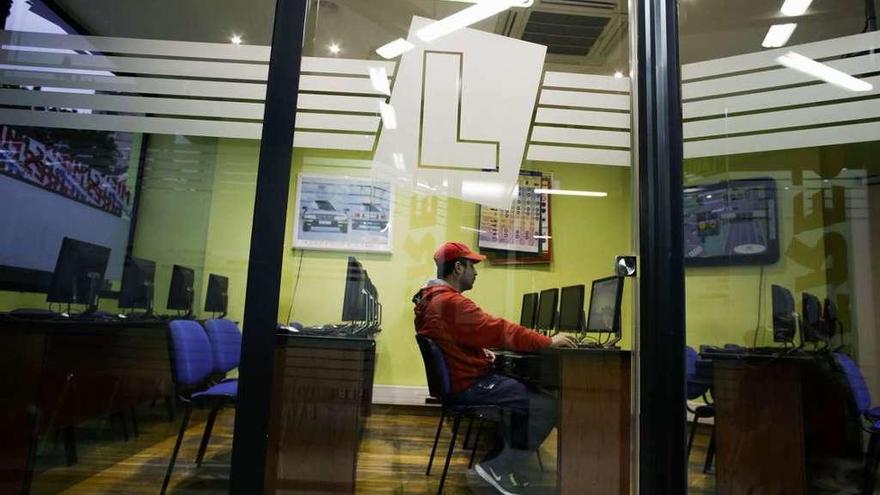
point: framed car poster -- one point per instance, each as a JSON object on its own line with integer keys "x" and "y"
{"x": 343, "y": 213}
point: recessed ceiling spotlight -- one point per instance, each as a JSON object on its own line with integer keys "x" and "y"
{"x": 235, "y": 39}
{"x": 618, "y": 75}
{"x": 334, "y": 48}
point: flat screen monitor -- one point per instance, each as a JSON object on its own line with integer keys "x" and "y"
{"x": 731, "y": 223}
{"x": 811, "y": 313}
{"x": 571, "y": 308}
{"x": 79, "y": 273}
{"x": 353, "y": 306}
{"x": 829, "y": 318}
{"x": 605, "y": 296}
{"x": 784, "y": 316}
{"x": 546, "y": 318}
{"x": 180, "y": 296}
{"x": 529, "y": 309}
{"x": 136, "y": 290}
{"x": 217, "y": 298}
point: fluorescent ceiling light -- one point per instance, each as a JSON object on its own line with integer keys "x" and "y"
{"x": 793, "y": 8}
{"x": 471, "y": 229}
{"x": 379, "y": 80}
{"x": 544, "y": 237}
{"x": 821, "y": 71}
{"x": 567, "y": 192}
{"x": 778, "y": 35}
{"x": 464, "y": 18}
{"x": 389, "y": 116}
{"x": 394, "y": 48}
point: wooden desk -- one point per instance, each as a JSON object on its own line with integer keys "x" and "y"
{"x": 775, "y": 418}
{"x": 594, "y": 416}
{"x": 321, "y": 386}
{"x": 57, "y": 373}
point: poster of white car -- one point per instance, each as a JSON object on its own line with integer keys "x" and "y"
{"x": 343, "y": 213}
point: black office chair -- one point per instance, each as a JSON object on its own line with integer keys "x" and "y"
{"x": 440, "y": 388}
{"x": 699, "y": 380}
{"x": 869, "y": 416}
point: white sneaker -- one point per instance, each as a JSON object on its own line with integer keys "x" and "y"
{"x": 506, "y": 482}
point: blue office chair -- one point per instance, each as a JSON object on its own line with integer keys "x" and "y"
{"x": 225, "y": 339}
{"x": 699, "y": 380}
{"x": 440, "y": 388}
{"x": 869, "y": 416}
{"x": 192, "y": 364}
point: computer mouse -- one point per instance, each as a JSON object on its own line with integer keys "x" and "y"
{"x": 297, "y": 325}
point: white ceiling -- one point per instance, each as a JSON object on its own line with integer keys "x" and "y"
{"x": 709, "y": 28}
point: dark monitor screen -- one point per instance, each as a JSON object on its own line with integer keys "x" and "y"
{"x": 180, "y": 296}
{"x": 529, "y": 309}
{"x": 136, "y": 290}
{"x": 353, "y": 307}
{"x": 217, "y": 298}
{"x": 79, "y": 273}
{"x": 829, "y": 318}
{"x": 546, "y": 318}
{"x": 571, "y": 308}
{"x": 605, "y": 296}
{"x": 784, "y": 318}
{"x": 731, "y": 223}
{"x": 811, "y": 312}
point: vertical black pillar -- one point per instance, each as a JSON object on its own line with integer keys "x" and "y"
{"x": 662, "y": 463}
{"x": 250, "y": 439}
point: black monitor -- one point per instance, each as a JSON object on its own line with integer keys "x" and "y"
{"x": 79, "y": 273}
{"x": 180, "y": 296}
{"x": 136, "y": 290}
{"x": 784, "y": 316}
{"x": 353, "y": 306}
{"x": 829, "y": 318}
{"x": 529, "y": 309}
{"x": 216, "y": 299}
{"x": 605, "y": 297}
{"x": 546, "y": 318}
{"x": 811, "y": 323}
{"x": 571, "y": 309}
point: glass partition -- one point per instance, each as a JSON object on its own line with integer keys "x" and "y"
{"x": 779, "y": 104}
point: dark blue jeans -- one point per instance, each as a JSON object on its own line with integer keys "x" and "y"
{"x": 527, "y": 416}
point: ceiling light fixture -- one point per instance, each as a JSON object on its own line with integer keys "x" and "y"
{"x": 778, "y": 35}
{"x": 568, "y": 192}
{"x": 235, "y": 39}
{"x": 395, "y": 48}
{"x": 618, "y": 75}
{"x": 824, "y": 72}
{"x": 389, "y": 116}
{"x": 334, "y": 48}
{"x": 793, "y": 8}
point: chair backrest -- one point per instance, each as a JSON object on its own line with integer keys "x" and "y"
{"x": 860, "y": 394}
{"x": 694, "y": 389}
{"x": 191, "y": 359}
{"x": 435, "y": 368}
{"x": 225, "y": 338}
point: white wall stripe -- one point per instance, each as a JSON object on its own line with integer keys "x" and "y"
{"x": 767, "y": 58}
{"x": 853, "y": 133}
{"x": 585, "y": 81}
{"x": 583, "y": 99}
{"x": 336, "y": 84}
{"x": 339, "y": 103}
{"x": 338, "y": 122}
{"x": 841, "y": 112}
{"x": 565, "y": 154}
{"x": 589, "y": 137}
{"x": 582, "y": 117}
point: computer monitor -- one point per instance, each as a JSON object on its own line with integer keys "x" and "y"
{"x": 811, "y": 324}
{"x": 529, "y": 309}
{"x": 136, "y": 290}
{"x": 829, "y": 318}
{"x": 180, "y": 296}
{"x": 353, "y": 307}
{"x": 217, "y": 298}
{"x": 571, "y": 309}
{"x": 605, "y": 297}
{"x": 79, "y": 273}
{"x": 784, "y": 316}
{"x": 546, "y": 318}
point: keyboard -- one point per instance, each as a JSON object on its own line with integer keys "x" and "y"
{"x": 589, "y": 345}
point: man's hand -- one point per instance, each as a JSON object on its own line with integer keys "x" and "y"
{"x": 489, "y": 354}
{"x": 562, "y": 340}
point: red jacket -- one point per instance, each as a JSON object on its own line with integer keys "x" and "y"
{"x": 463, "y": 331}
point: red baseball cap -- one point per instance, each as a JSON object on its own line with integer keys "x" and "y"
{"x": 454, "y": 250}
